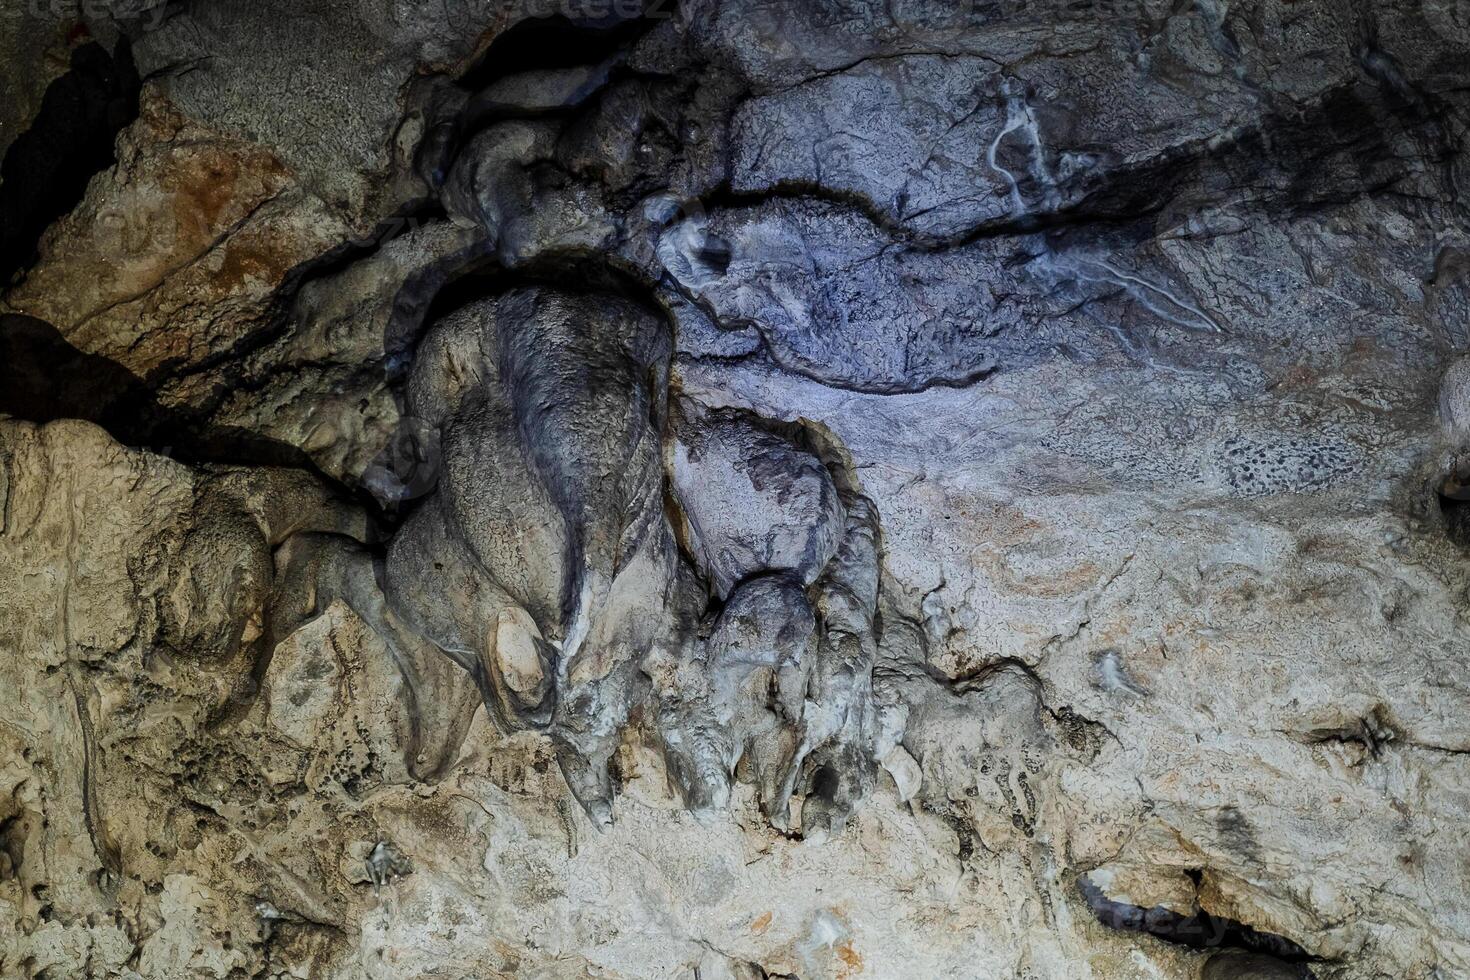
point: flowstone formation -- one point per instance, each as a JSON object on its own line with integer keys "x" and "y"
{"x": 734, "y": 490}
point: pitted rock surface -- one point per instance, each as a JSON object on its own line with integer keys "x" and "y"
{"x": 726, "y": 489}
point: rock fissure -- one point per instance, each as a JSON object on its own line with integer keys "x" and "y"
{"x": 723, "y": 436}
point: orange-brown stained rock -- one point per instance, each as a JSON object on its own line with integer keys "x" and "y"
{"x": 189, "y": 219}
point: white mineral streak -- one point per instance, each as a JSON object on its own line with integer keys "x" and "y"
{"x": 822, "y": 490}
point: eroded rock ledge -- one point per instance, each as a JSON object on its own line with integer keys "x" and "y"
{"x": 735, "y": 490}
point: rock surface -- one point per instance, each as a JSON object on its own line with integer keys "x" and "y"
{"x": 739, "y": 490}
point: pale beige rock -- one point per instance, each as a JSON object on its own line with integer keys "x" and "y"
{"x": 188, "y": 219}
{"x": 1114, "y": 540}
{"x": 515, "y": 650}
{"x": 1146, "y": 886}
{"x": 332, "y": 695}
{"x": 1454, "y": 400}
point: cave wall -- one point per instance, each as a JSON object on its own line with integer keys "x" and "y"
{"x": 725, "y": 489}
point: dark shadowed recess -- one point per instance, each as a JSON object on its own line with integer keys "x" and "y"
{"x": 1201, "y": 930}
{"x": 43, "y": 378}
{"x": 1453, "y": 499}
{"x": 579, "y": 273}
{"x": 565, "y": 40}
{"x": 46, "y": 169}
{"x": 584, "y": 32}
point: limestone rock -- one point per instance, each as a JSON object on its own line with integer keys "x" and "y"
{"x": 730, "y": 489}
{"x": 754, "y": 500}
{"x": 1454, "y": 400}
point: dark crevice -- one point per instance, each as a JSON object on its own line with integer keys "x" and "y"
{"x": 607, "y": 32}
{"x": 12, "y": 843}
{"x": 1129, "y": 198}
{"x": 1283, "y": 158}
{"x": 1201, "y": 930}
{"x": 560, "y": 41}
{"x": 1455, "y": 512}
{"x": 335, "y": 260}
{"x": 427, "y": 297}
{"x": 1451, "y": 495}
{"x": 572, "y": 271}
{"x": 51, "y": 380}
{"x": 102, "y": 842}
{"x": 1415, "y": 104}
{"x": 43, "y": 378}
{"x": 978, "y": 679}
{"x": 551, "y": 43}
{"x": 46, "y": 169}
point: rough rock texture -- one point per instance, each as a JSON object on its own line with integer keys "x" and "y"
{"x": 735, "y": 490}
